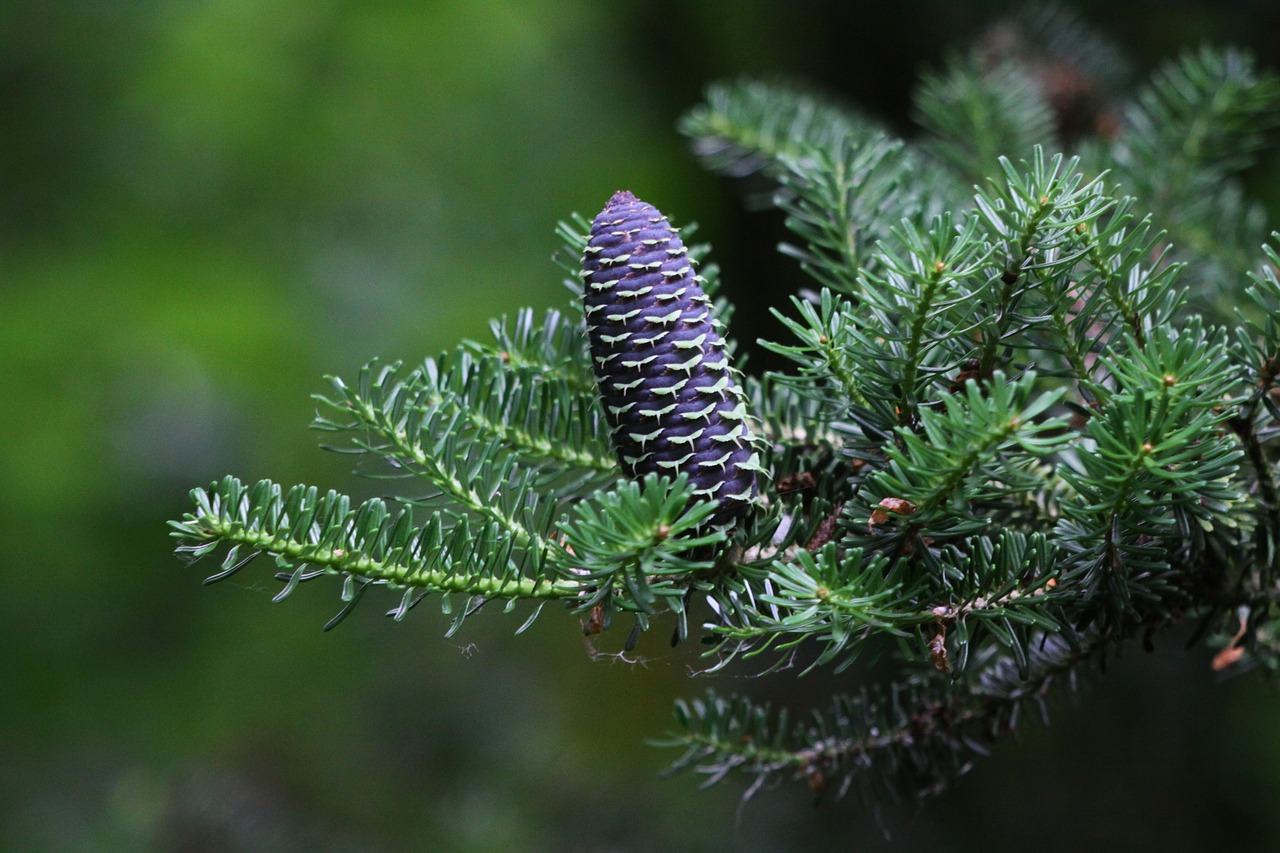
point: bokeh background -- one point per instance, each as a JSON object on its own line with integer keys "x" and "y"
{"x": 207, "y": 206}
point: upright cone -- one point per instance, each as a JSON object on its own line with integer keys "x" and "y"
{"x": 672, "y": 401}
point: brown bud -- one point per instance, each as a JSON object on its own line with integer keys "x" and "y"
{"x": 938, "y": 651}
{"x": 896, "y": 506}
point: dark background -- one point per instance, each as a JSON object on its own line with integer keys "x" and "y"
{"x": 205, "y": 207}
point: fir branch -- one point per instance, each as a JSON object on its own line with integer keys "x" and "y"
{"x": 827, "y": 374}
{"x": 1006, "y": 443}
{"x": 968, "y": 452}
{"x": 786, "y": 417}
{"x": 750, "y": 126}
{"x": 1256, "y": 353}
{"x": 555, "y": 349}
{"x": 928, "y": 284}
{"x": 626, "y": 549}
{"x": 977, "y": 115}
{"x": 646, "y": 538}
{"x": 913, "y": 740}
{"x": 800, "y": 446}
{"x": 1154, "y": 470}
{"x": 885, "y": 354}
{"x": 840, "y": 600}
{"x": 368, "y": 544}
{"x": 522, "y": 410}
{"x": 474, "y": 474}
{"x": 1007, "y": 590}
{"x": 1131, "y": 275}
{"x": 837, "y": 599}
{"x": 1201, "y": 118}
{"x": 1187, "y": 135}
{"x": 841, "y": 200}
{"x": 1035, "y": 218}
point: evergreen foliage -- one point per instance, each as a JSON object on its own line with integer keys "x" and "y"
{"x": 1031, "y": 416}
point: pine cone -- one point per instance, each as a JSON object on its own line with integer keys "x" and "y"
{"x": 670, "y": 397}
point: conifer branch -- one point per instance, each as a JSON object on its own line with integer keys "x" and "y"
{"x": 913, "y": 740}
{"x": 310, "y": 534}
{"x": 843, "y": 201}
{"x": 554, "y": 349}
{"x": 977, "y": 115}
{"x": 1004, "y": 444}
{"x": 1187, "y": 135}
{"x": 750, "y": 126}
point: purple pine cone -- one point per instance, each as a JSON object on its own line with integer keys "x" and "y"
{"x": 671, "y": 400}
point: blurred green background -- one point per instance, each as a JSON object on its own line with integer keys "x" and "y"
{"x": 205, "y": 207}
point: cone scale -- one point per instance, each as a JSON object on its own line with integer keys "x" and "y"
{"x": 670, "y": 397}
